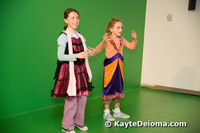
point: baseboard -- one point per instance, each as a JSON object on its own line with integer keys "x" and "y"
{"x": 170, "y": 89}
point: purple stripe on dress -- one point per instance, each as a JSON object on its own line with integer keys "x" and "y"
{"x": 115, "y": 85}
{"x": 112, "y": 59}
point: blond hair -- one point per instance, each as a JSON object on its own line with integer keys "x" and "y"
{"x": 111, "y": 24}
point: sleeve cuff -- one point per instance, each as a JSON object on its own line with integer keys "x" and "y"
{"x": 73, "y": 57}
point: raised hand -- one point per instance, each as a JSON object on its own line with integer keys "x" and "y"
{"x": 105, "y": 38}
{"x": 134, "y": 35}
{"x": 82, "y": 55}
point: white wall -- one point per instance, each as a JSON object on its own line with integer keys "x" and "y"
{"x": 171, "y": 55}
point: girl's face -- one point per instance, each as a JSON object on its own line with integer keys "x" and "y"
{"x": 72, "y": 20}
{"x": 117, "y": 29}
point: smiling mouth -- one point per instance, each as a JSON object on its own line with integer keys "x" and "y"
{"x": 75, "y": 24}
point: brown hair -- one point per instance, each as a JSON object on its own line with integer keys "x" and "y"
{"x": 67, "y": 12}
{"x": 111, "y": 24}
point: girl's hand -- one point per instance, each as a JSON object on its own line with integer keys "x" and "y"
{"x": 82, "y": 55}
{"x": 105, "y": 38}
{"x": 134, "y": 35}
{"x": 92, "y": 51}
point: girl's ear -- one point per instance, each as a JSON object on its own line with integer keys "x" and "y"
{"x": 66, "y": 21}
{"x": 110, "y": 29}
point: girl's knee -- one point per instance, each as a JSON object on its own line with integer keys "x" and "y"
{"x": 116, "y": 100}
{"x": 106, "y": 101}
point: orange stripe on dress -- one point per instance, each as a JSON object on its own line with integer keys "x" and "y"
{"x": 109, "y": 72}
{"x": 121, "y": 68}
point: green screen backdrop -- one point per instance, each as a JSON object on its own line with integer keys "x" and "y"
{"x": 29, "y": 32}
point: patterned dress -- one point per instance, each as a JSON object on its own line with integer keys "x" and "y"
{"x": 113, "y": 73}
{"x": 83, "y": 86}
